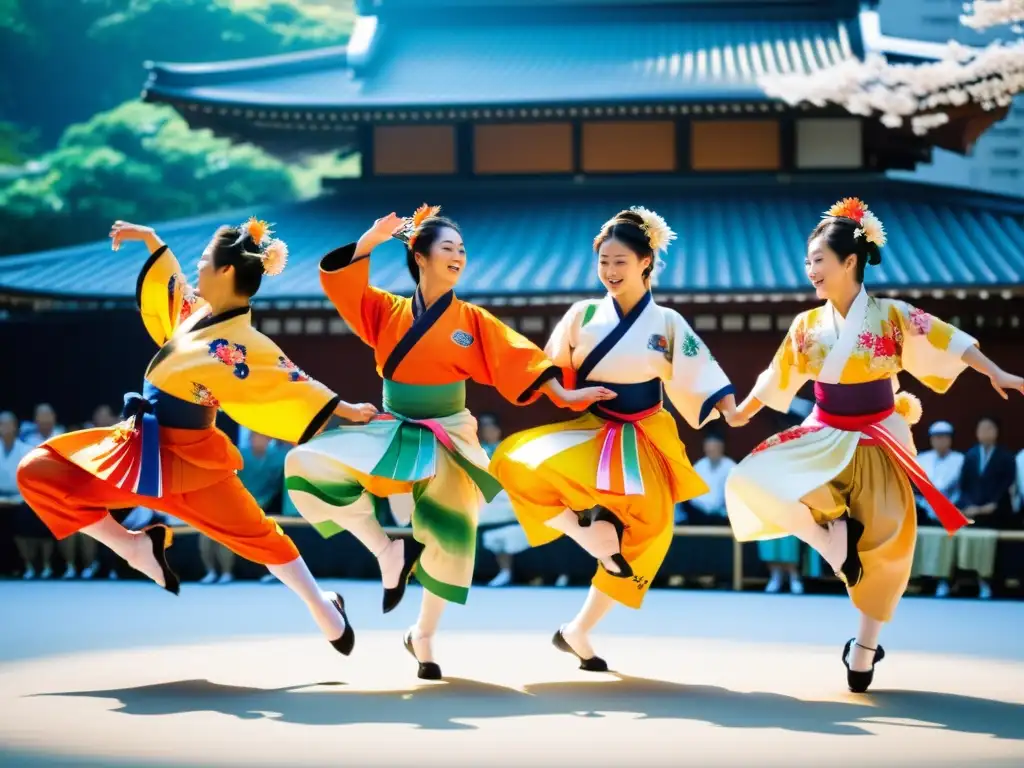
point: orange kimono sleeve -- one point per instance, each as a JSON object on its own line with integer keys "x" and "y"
{"x": 346, "y": 281}
{"x": 510, "y": 362}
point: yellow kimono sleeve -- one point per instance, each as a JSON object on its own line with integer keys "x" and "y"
{"x": 696, "y": 381}
{"x": 163, "y": 295}
{"x": 275, "y": 398}
{"x": 778, "y": 384}
{"x": 346, "y": 281}
{"x": 932, "y": 350}
{"x": 509, "y": 361}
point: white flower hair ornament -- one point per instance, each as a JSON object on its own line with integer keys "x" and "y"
{"x": 659, "y": 233}
{"x": 273, "y": 252}
{"x": 275, "y": 258}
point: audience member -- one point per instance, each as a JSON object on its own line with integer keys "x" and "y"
{"x": 935, "y": 555}
{"x": 985, "y": 481}
{"x": 42, "y": 427}
{"x": 713, "y": 467}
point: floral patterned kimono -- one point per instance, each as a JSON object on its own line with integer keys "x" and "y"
{"x": 425, "y": 443}
{"x": 167, "y": 454}
{"x": 854, "y": 453}
{"x": 625, "y": 455}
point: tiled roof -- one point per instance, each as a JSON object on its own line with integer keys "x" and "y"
{"x": 617, "y": 54}
{"x": 736, "y": 237}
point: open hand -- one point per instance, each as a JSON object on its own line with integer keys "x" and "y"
{"x": 587, "y": 396}
{"x": 387, "y": 226}
{"x": 1002, "y": 381}
{"x": 122, "y": 231}
{"x": 359, "y": 413}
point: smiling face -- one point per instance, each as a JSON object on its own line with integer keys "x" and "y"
{"x": 619, "y": 268}
{"x": 828, "y": 273}
{"x": 446, "y": 260}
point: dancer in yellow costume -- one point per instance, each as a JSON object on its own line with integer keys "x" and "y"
{"x": 841, "y": 482}
{"x": 610, "y": 479}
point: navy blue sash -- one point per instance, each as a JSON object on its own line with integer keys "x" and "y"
{"x": 167, "y": 410}
{"x": 608, "y": 342}
{"x": 423, "y": 320}
{"x": 630, "y": 398}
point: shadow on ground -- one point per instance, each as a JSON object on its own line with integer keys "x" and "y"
{"x": 459, "y": 703}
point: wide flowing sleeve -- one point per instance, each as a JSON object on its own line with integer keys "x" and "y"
{"x": 163, "y": 295}
{"x": 346, "y": 281}
{"x": 695, "y": 381}
{"x": 778, "y": 384}
{"x": 274, "y": 397}
{"x": 932, "y": 350}
{"x": 564, "y": 339}
{"x": 510, "y": 362}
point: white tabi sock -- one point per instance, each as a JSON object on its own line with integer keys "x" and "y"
{"x": 296, "y": 576}
{"x": 577, "y": 631}
{"x": 431, "y": 608}
{"x": 862, "y": 655}
{"x": 135, "y": 548}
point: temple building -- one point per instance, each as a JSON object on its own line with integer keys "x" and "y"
{"x": 532, "y": 122}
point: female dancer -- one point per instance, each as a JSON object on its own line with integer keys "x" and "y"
{"x": 841, "y": 481}
{"x": 426, "y": 444}
{"x": 167, "y": 454}
{"x": 610, "y": 479}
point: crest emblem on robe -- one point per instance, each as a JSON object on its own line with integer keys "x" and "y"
{"x": 658, "y": 343}
{"x": 462, "y": 338}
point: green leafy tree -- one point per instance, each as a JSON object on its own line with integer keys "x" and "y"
{"x": 137, "y": 162}
{"x": 78, "y": 57}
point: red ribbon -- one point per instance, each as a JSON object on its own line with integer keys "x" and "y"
{"x": 870, "y": 425}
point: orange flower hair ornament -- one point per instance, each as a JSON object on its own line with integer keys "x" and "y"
{"x": 273, "y": 252}
{"x": 870, "y": 226}
{"x": 409, "y": 232}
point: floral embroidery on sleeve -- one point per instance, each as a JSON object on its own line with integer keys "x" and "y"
{"x": 690, "y": 346}
{"x": 189, "y": 298}
{"x": 920, "y": 321}
{"x": 294, "y": 372}
{"x": 230, "y": 354}
{"x": 203, "y": 396}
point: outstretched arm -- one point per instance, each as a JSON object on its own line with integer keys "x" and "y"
{"x": 345, "y": 278}
{"x": 1001, "y": 380}
{"x": 162, "y": 293}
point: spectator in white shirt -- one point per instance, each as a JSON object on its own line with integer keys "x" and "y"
{"x": 714, "y": 468}
{"x": 42, "y": 427}
{"x": 943, "y": 466}
{"x": 935, "y": 556}
{"x": 31, "y": 536}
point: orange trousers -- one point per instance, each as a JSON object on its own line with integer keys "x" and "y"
{"x": 67, "y": 498}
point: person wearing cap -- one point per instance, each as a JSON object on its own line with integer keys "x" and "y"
{"x": 936, "y": 551}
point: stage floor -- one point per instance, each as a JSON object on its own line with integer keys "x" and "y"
{"x": 123, "y": 674}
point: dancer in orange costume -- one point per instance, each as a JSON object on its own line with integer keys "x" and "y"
{"x": 167, "y": 454}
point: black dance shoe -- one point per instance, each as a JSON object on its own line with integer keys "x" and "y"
{"x": 859, "y": 682}
{"x": 394, "y": 595}
{"x": 161, "y": 537}
{"x": 347, "y": 641}
{"x": 428, "y": 670}
{"x": 598, "y": 514}
{"x": 852, "y": 571}
{"x": 593, "y": 664}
